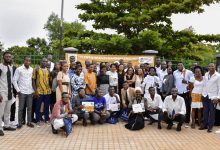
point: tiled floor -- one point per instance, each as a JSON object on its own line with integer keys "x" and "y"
{"x": 109, "y": 136}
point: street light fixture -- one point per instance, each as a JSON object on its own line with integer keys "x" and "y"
{"x": 61, "y": 28}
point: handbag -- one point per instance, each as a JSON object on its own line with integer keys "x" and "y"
{"x": 68, "y": 126}
{"x": 124, "y": 115}
{"x": 112, "y": 120}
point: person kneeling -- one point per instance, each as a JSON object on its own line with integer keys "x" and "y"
{"x": 154, "y": 107}
{"x": 138, "y": 105}
{"x": 174, "y": 109}
{"x": 100, "y": 113}
{"x": 62, "y": 110}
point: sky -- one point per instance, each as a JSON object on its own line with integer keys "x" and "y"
{"x": 23, "y": 19}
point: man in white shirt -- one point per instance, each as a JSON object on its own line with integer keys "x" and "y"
{"x": 5, "y": 92}
{"x": 210, "y": 97}
{"x": 174, "y": 109}
{"x": 158, "y": 65}
{"x": 22, "y": 82}
{"x": 111, "y": 97}
{"x": 154, "y": 106}
{"x": 162, "y": 73}
{"x": 50, "y": 63}
{"x": 181, "y": 81}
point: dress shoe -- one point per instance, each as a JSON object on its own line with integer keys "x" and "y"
{"x": 9, "y": 129}
{"x": 169, "y": 126}
{"x": 30, "y": 125}
{"x": 178, "y": 128}
{"x": 203, "y": 128}
{"x": 19, "y": 126}
{"x": 1, "y": 133}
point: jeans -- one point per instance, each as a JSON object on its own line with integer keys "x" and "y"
{"x": 25, "y": 99}
{"x": 46, "y": 100}
{"x": 208, "y": 113}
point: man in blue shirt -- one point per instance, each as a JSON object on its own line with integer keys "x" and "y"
{"x": 100, "y": 113}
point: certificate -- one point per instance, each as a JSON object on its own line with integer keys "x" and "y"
{"x": 137, "y": 108}
{"x": 89, "y": 106}
{"x": 114, "y": 107}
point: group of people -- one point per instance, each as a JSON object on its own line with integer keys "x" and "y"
{"x": 98, "y": 92}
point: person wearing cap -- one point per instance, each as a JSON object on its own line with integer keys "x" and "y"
{"x": 174, "y": 109}
{"x": 62, "y": 109}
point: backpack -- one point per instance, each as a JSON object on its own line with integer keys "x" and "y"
{"x": 135, "y": 122}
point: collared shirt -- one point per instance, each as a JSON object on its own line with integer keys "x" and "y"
{"x": 3, "y": 80}
{"x": 77, "y": 101}
{"x": 42, "y": 77}
{"x": 158, "y": 69}
{"x": 179, "y": 76}
{"x": 178, "y": 106}
{"x": 150, "y": 81}
{"x": 77, "y": 82}
{"x": 161, "y": 74}
{"x": 212, "y": 85}
{"x": 154, "y": 103}
{"x": 22, "y": 80}
{"x": 111, "y": 100}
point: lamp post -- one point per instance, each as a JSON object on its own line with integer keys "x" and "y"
{"x": 61, "y": 29}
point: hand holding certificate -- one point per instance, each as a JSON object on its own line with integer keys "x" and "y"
{"x": 114, "y": 107}
{"x": 138, "y": 108}
{"x": 89, "y": 106}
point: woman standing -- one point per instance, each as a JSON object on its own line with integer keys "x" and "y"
{"x": 150, "y": 80}
{"x": 121, "y": 75}
{"x": 103, "y": 80}
{"x": 113, "y": 77}
{"x": 54, "y": 84}
{"x": 196, "y": 86}
{"x": 130, "y": 77}
{"x": 139, "y": 78}
{"x": 63, "y": 81}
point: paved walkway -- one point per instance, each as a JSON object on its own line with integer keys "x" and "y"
{"x": 113, "y": 137}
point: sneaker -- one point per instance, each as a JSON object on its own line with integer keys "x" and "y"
{"x": 30, "y": 125}
{"x": 9, "y": 128}
{"x": 146, "y": 119}
{"x": 48, "y": 123}
{"x": 159, "y": 126}
{"x": 38, "y": 124}
{"x": 186, "y": 125}
{"x": 217, "y": 132}
{"x": 1, "y": 133}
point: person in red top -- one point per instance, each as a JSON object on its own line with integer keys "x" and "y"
{"x": 61, "y": 110}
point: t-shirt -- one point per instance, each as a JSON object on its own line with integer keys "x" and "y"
{"x": 99, "y": 103}
{"x": 90, "y": 79}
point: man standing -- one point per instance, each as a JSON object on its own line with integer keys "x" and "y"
{"x": 5, "y": 92}
{"x": 174, "y": 109}
{"x": 50, "y": 63}
{"x": 41, "y": 78}
{"x": 158, "y": 65}
{"x": 210, "y": 97}
{"x": 23, "y": 84}
{"x": 161, "y": 74}
{"x": 90, "y": 80}
{"x": 182, "y": 77}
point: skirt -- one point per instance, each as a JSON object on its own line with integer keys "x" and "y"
{"x": 196, "y": 100}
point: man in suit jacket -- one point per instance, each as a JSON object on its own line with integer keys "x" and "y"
{"x": 127, "y": 93}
